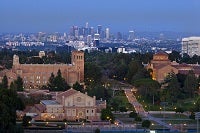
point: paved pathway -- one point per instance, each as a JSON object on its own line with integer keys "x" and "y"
{"x": 139, "y": 109}
{"x": 132, "y": 99}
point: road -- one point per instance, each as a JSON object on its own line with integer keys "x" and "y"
{"x": 140, "y": 110}
{"x": 132, "y": 99}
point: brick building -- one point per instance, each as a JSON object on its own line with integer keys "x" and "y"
{"x": 36, "y": 75}
{"x": 69, "y": 105}
{"x": 161, "y": 66}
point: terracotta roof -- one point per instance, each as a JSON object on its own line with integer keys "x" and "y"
{"x": 28, "y": 108}
{"x": 161, "y": 53}
{"x": 40, "y": 107}
{"x": 75, "y": 51}
{"x": 160, "y": 66}
{"x": 67, "y": 93}
{"x": 184, "y": 65}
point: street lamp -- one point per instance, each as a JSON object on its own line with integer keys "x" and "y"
{"x": 160, "y": 110}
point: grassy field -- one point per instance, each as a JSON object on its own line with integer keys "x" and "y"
{"x": 186, "y": 104}
{"x": 170, "y": 116}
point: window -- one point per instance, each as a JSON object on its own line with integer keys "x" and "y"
{"x": 78, "y": 99}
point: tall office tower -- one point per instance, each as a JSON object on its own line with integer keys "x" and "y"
{"x": 76, "y": 33}
{"x": 91, "y": 31}
{"x": 81, "y": 31}
{"x": 72, "y": 32}
{"x": 64, "y": 35}
{"x": 85, "y": 32}
{"x": 89, "y": 39}
{"x": 86, "y": 25}
{"x": 99, "y": 29}
{"x": 191, "y": 46}
{"x": 131, "y": 35}
{"x": 96, "y": 39}
{"x": 107, "y": 33}
{"x": 119, "y": 36}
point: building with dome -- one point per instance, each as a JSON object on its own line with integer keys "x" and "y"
{"x": 161, "y": 66}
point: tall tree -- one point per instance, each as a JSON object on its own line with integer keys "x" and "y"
{"x": 190, "y": 84}
{"x": 9, "y": 103}
{"x": 57, "y": 83}
{"x": 106, "y": 114}
{"x": 60, "y": 84}
{"x": 148, "y": 88}
{"x": 19, "y": 84}
{"x": 4, "y": 82}
{"x": 92, "y": 73}
{"x": 78, "y": 87}
{"x": 51, "y": 82}
{"x": 172, "y": 88}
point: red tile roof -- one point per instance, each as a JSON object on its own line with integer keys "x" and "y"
{"x": 67, "y": 93}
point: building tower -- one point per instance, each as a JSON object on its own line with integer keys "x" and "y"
{"x": 96, "y": 40}
{"x": 191, "y": 46}
{"x": 99, "y": 29}
{"x": 87, "y": 25}
{"x": 107, "y": 33}
{"x": 15, "y": 60}
{"x": 131, "y": 35}
{"x": 78, "y": 61}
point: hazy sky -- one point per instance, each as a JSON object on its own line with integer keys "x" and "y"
{"x": 119, "y": 15}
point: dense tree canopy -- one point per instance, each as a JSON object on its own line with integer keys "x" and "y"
{"x": 172, "y": 90}
{"x": 57, "y": 83}
{"x": 190, "y": 85}
{"x": 17, "y": 84}
{"x": 93, "y": 73}
{"x": 9, "y": 103}
{"x": 148, "y": 88}
{"x": 78, "y": 87}
{"x": 106, "y": 114}
{"x": 4, "y": 83}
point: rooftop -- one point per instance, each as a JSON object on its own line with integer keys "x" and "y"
{"x": 191, "y": 38}
{"x": 49, "y": 102}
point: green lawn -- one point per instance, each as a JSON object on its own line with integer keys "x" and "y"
{"x": 186, "y": 104}
{"x": 170, "y": 116}
{"x": 181, "y": 122}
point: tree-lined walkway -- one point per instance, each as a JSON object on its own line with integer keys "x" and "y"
{"x": 140, "y": 110}
{"x": 132, "y": 99}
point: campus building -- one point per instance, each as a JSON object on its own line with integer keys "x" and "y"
{"x": 36, "y": 75}
{"x": 191, "y": 46}
{"x": 161, "y": 66}
{"x": 69, "y": 105}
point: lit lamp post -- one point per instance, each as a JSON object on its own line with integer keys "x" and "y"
{"x": 160, "y": 110}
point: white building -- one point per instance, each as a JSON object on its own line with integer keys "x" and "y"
{"x": 107, "y": 33}
{"x": 191, "y": 46}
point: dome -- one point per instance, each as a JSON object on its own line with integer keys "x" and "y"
{"x": 160, "y": 56}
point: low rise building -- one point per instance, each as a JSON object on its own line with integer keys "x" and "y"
{"x": 161, "y": 66}
{"x": 70, "y": 105}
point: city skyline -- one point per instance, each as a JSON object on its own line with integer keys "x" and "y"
{"x": 137, "y": 15}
